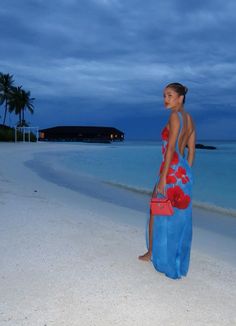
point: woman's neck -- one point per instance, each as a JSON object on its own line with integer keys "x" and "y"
{"x": 179, "y": 109}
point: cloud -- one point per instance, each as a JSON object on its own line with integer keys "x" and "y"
{"x": 121, "y": 53}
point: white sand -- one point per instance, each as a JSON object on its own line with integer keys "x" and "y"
{"x": 69, "y": 259}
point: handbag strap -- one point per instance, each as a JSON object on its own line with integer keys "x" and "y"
{"x": 163, "y": 196}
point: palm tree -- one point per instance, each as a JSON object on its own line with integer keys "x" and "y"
{"x": 28, "y": 105}
{"x": 6, "y": 84}
{"x": 19, "y": 101}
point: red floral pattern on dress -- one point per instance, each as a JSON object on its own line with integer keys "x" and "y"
{"x": 163, "y": 149}
{"x": 165, "y": 134}
{"x": 170, "y": 179}
{"x": 175, "y": 159}
{"x": 170, "y": 171}
{"x": 181, "y": 174}
{"x": 178, "y": 198}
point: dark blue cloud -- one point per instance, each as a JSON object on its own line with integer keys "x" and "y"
{"x": 107, "y": 61}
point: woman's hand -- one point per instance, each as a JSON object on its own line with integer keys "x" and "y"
{"x": 161, "y": 186}
{"x": 154, "y": 192}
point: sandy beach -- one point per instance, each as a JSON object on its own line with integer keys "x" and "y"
{"x": 69, "y": 257}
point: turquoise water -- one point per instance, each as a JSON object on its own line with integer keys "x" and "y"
{"x": 136, "y": 165}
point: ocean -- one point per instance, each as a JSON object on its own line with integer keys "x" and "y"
{"x": 135, "y": 165}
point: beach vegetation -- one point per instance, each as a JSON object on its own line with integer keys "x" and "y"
{"x": 19, "y": 102}
{"x": 14, "y": 99}
{"x": 7, "y": 134}
{"x": 6, "y": 84}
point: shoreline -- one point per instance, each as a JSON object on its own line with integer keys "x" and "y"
{"x": 202, "y": 205}
{"x": 69, "y": 258}
{"x": 41, "y": 166}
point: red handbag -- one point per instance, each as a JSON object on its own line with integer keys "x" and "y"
{"x": 161, "y": 206}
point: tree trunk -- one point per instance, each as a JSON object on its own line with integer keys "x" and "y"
{"x": 23, "y": 116}
{"x": 20, "y": 120}
{"x": 5, "y": 114}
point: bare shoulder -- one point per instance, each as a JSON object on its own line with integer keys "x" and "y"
{"x": 174, "y": 122}
{"x": 174, "y": 118}
{"x": 173, "y": 114}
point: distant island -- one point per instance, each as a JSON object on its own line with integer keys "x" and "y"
{"x": 91, "y": 134}
{"x": 201, "y": 146}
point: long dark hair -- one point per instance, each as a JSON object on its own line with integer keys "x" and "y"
{"x": 179, "y": 89}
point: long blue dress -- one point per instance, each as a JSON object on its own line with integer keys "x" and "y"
{"x": 172, "y": 235}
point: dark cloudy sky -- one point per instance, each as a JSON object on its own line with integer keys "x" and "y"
{"x": 106, "y": 62}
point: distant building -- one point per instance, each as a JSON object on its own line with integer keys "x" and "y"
{"x": 81, "y": 133}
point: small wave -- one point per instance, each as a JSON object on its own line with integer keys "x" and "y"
{"x": 215, "y": 208}
{"x": 199, "y": 204}
{"x": 131, "y": 188}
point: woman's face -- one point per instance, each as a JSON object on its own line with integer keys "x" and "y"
{"x": 172, "y": 100}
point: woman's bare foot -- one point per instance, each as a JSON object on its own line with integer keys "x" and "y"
{"x": 145, "y": 257}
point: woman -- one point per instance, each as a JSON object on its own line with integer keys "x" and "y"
{"x": 169, "y": 237}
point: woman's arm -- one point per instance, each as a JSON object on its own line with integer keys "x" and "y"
{"x": 191, "y": 148}
{"x": 174, "y": 125}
